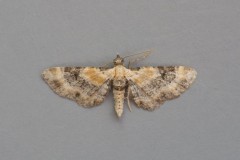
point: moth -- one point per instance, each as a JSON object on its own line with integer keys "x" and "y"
{"x": 148, "y": 86}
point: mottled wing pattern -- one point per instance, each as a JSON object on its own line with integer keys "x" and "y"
{"x": 151, "y": 86}
{"x": 87, "y": 86}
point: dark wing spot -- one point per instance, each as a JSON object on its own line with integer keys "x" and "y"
{"x": 75, "y": 75}
{"x": 77, "y": 94}
{"x": 57, "y": 83}
{"x": 67, "y": 69}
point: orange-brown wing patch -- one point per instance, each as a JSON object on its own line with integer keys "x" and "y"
{"x": 95, "y": 75}
{"x": 146, "y": 73}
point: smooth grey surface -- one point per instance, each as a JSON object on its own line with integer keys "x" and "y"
{"x": 37, "y": 124}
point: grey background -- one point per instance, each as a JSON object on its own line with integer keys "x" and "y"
{"x": 37, "y": 34}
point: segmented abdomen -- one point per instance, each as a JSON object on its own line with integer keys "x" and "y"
{"x": 118, "y": 101}
{"x": 119, "y": 86}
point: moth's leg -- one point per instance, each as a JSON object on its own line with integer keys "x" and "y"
{"x": 128, "y": 101}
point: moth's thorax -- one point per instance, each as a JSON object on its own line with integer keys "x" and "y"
{"x": 119, "y": 81}
{"x": 119, "y": 71}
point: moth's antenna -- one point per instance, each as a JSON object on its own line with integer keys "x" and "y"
{"x": 138, "y": 56}
{"x": 143, "y": 54}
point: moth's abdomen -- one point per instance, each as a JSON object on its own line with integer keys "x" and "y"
{"x": 118, "y": 93}
{"x": 118, "y": 101}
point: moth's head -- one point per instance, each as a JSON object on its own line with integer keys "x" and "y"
{"x": 118, "y": 61}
